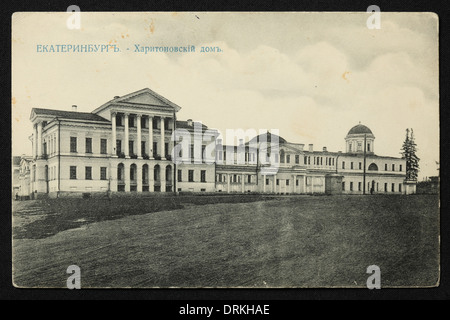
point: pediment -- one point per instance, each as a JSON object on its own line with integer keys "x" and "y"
{"x": 145, "y": 98}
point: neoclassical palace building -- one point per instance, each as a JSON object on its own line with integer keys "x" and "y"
{"x": 126, "y": 144}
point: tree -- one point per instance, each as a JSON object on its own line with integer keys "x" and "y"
{"x": 409, "y": 154}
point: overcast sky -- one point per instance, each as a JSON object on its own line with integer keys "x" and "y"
{"x": 313, "y": 76}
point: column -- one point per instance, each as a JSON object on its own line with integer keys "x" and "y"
{"x": 312, "y": 184}
{"x": 114, "y": 134}
{"x": 228, "y": 183}
{"x": 127, "y": 138}
{"x": 171, "y": 143}
{"x": 151, "y": 178}
{"x": 139, "y": 177}
{"x": 264, "y": 183}
{"x": 304, "y": 183}
{"x": 243, "y": 182}
{"x": 294, "y": 182}
{"x": 39, "y": 140}
{"x": 113, "y": 177}
{"x": 163, "y": 179}
{"x": 274, "y": 183}
{"x": 126, "y": 169}
{"x": 139, "y": 139}
{"x": 150, "y": 137}
{"x": 162, "y": 147}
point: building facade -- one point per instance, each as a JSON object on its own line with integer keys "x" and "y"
{"x": 129, "y": 145}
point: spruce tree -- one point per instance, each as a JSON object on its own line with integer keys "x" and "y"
{"x": 409, "y": 154}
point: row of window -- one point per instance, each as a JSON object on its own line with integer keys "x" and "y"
{"x": 191, "y": 175}
{"x": 88, "y": 145}
{"x": 372, "y": 167}
{"x": 87, "y": 173}
{"x": 236, "y": 178}
{"x": 133, "y": 124}
{"x": 373, "y": 187}
{"x": 104, "y": 146}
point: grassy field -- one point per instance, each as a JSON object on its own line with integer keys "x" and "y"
{"x": 235, "y": 241}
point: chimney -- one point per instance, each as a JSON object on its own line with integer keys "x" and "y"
{"x": 189, "y": 122}
{"x": 74, "y": 107}
{"x": 311, "y": 147}
{"x": 324, "y": 149}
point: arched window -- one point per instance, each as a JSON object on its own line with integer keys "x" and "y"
{"x": 373, "y": 167}
{"x": 282, "y": 156}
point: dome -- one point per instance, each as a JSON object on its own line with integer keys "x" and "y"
{"x": 360, "y": 129}
{"x": 267, "y": 138}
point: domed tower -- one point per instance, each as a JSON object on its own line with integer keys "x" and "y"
{"x": 354, "y": 140}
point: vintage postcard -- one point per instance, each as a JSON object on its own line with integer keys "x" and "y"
{"x": 225, "y": 149}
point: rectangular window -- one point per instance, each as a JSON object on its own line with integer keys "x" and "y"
{"x": 155, "y": 123}
{"x": 191, "y": 175}
{"x": 102, "y": 173}
{"x": 385, "y": 187}
{"x": 203, "y": 175}
{"x": 399, "y": 187}
{"x": 166, "y": 149}
{"x": 88, "y": 145}
{"x": 73, "y": 172}
{"x": 88, "y": 173}
{"x": 393, "y": 187}
{"x": 297, "y": 159}
{"x": 360, "y": 166}
{"x": 385, "y": 167}
{"x": 131, "y": 121}
{"x": 155, "y": 148}
{"x": 393, "y": 167}
{"x": 119, "y": 146}
{"x": 351, "y": 165}
{"x": 305, "y": 160}
{"x": 119, "y": 122}
{"x": 143, "y": 148}
{"x": 143, "y": 123}
{"x": 103, "y": 146}
{"x": 180, "y": 175}
{"x": 287, "y": 182}
{"x": 351, "y": 186}
{"x": 400, "y": 168}
{"x": 359, "y": 186}
{"x": 131, "y": 147}
{"x": 288, "y": 158}
{"x": 296, "y": 183}
{"x": 73, "y": 144}
{"x": 249, "y": 179}
{"x": 278, "y": 182}
{"x": 343, "y": 186}
{"x": 343, "y": 164}
{"x": 267, "y": 182}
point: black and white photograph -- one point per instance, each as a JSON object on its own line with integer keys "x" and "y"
{"x": 225, "y": 150}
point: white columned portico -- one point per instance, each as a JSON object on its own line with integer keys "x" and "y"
{"x": 39, "y": 140}
{"x": 114, "y": 134}
{"x": 150, "y": 137}
{"x": 127, "y": 137}
{"x": 162, "y": 147}
{"x": 139, "y": 139}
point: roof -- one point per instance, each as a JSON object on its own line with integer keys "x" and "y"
{"x": 360, "y": 129}
{"x": 267, "y": 138}
{"x": 184, "y": 125}
{"x": 141, "y": 97}
{"x": 75, "y": 115}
